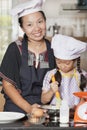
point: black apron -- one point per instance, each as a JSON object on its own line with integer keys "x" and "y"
{"x": 32, "y": 78}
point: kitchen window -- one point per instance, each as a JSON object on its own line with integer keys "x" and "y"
{"x": 5, "y": 26}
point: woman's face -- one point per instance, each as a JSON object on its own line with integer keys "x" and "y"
{"x": 34, "y": 25}
{"x": 65, "y": 65}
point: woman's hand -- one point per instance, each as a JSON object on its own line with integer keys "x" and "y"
{"x": 36, "y": 111}
{"x": 35, "y": 106}
{"x": 54, "y": 86}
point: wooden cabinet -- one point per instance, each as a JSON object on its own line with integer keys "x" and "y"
{"x": 84, "y": 39}
{"x": 2, "y": 100}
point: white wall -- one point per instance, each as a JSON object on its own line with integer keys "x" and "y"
{"x": 52, "y": 7}
{"x": 71, "y": 22}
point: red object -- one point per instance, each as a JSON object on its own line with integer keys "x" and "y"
{"x": 81, "y": 94}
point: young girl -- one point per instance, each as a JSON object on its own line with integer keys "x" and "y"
{"x": 69, "y": 77}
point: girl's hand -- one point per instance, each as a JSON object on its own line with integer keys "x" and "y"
{"x": 54, "y": 86}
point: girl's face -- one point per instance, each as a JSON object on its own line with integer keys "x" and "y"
{"x": 34, "y": 25}
{"x": 65, "y": 65}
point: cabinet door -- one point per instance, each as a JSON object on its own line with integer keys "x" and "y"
{"x": 2, "y": 100}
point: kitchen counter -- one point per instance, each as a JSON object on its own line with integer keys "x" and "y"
{"x": 84, "y": 39}
{"x": 25, "y": 125}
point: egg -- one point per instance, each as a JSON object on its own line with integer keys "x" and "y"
{"x": 38, "y": 112}
{"x": 33, "y": 120}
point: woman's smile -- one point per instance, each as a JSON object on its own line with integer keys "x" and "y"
{"x": 38, "y": 34}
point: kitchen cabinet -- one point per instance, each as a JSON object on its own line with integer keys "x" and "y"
{"x": 2, "y": 100}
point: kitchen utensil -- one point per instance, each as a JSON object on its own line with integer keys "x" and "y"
{"x": 57, "y": 95}
{"x": 10, "y": 117}
{"x": 81, "y": 109}
{"x": 36, "y": 120}
{"x": 54, "y": 28}
{"x": 52, "y": 111}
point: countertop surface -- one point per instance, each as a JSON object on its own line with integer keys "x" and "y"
{"x": 84, "y": 39}
{"x": 24, "y": 124}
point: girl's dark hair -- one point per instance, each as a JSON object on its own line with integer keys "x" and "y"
{"x": 58, "y": 77}
{"x": 83, "y": 80}
{"x": 21, "y": 21}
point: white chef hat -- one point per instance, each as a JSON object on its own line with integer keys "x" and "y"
{"x": 28, "y": 7}
{"x": 66, "y": 47}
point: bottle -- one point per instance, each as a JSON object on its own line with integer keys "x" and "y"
{"x": 64, "y": 112}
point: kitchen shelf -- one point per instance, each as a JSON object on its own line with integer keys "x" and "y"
{"x": 73, "y": 7}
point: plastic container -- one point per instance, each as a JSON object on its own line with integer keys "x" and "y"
{"x": 64, "y": 112}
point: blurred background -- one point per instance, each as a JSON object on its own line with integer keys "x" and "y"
{"x": 67, "y": 17}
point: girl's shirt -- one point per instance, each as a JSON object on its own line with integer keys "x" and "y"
{"x": 69, "y": 85}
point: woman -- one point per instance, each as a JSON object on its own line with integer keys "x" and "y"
{"x": 25, "y": 63}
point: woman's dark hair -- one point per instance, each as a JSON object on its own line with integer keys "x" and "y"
{"x": 83, "y": 80}
{"x": 21, "y": 21}
{"x": 43, "y": 14}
